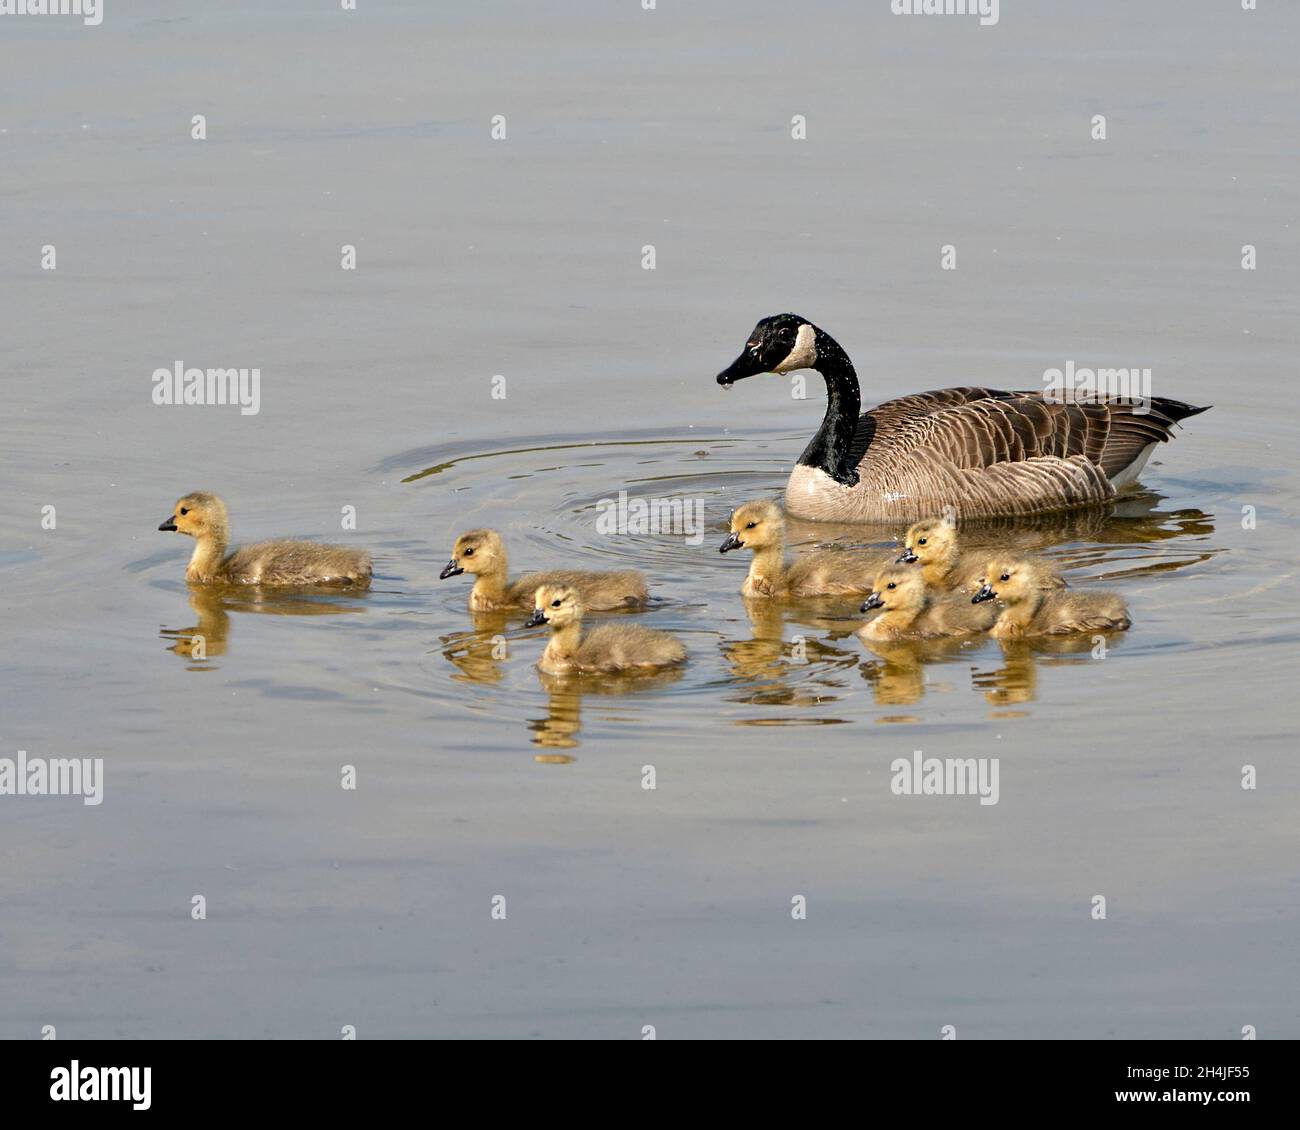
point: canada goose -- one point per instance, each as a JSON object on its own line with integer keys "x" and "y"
{"x": 1030, "y": 611}
{"x": 933, "y": 544}
{"x": 611, "y": 647}
{"x": 483, "y": 553}
{"x": 983, "y": 451}
{"x": 204, "y": 517}
{"x": 909, "y": 611}
{"x": 760, "y": 526}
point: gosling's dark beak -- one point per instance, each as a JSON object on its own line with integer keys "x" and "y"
{"x": 538, "y": 617}
{"x": 746, "y": 365}
{"x": 873, "y": 601}
{"x": 169, "y": 524}
{"x": 451, "y": 569}
{"x": 732, "y": 542}
{"x": 906, "y": 557}
{"x": 986, "y": 593}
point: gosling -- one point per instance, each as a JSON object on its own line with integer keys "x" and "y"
{"x": 760, "y": 526}
{"x": 909, "y": 611}
{"x": 611, "y": 647}
{"x": 204, "y": 517}
{"x": 1030, "y": 611}
{"x": 483, "y": 553}
{"x": 933, "y": 544}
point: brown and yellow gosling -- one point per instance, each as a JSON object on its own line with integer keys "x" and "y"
{"x": 760, "y": 526}
{"x": 910, "y": 611}
{"x": 1028, "y": 610}
{"x": 483, "y": 553}
{"x": 203, "y": 516}
{"x": 934, "y": 545}
{"x": 610, "y": 647}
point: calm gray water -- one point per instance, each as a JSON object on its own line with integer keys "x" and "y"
{"x": 522, "y": 258}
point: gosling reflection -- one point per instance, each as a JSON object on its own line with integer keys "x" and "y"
{"x": 801, "y": 671}
{"x": 1016, "y": 680}
{"x": 479, "y": 654}
{"x": 898, "y": 673}
{"x": 563, "y": 722}
{"x": 200, "y": 643}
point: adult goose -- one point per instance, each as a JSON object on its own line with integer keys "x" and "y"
{"x": 985, "y": 452}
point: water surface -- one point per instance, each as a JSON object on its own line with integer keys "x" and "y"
{"x": 521, "y": 258}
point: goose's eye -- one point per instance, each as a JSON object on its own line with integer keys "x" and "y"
{"x": 555, "y": 604}
{"x": 920, "y": 541}
{"x": 891, "y": 585}
{"x": 184, "y": 510}
{"x": 1005, "y": 577}
{"x": 469, "y": 552}
{"x": 751, "y": 525}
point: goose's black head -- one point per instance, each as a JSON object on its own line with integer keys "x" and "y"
{"x": 779, "y": 344}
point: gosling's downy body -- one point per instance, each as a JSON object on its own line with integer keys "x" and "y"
{"x": 760, "y": 526}
{"x": 204, "y": 517}
{"x": 933, "y": 544}
{"x": 483, "y": 553}
{"x": 1028, "y": 610}
{"x": 909, "y": 611}
{"x": 610, "y": 647}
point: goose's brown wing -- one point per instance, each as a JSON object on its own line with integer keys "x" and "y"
{"x": 1006, "y": 452}
{"x": 976, "y": 427}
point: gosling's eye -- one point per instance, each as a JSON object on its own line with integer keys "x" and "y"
{"x": 920, "y": 541}
{"x": 184, "y": 510}
{"x": 751, "y": 525}
{"x": 555, "y": 604}
{"x": 891, "y": 585}
{"x": 469, "y": 552}
{"x": 1005, "y": 577}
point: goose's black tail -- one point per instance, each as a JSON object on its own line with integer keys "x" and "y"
{"x": 1176, "y": 409}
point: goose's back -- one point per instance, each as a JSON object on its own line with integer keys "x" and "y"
{"x": 987, "y": 453}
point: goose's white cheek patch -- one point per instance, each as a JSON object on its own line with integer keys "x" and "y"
{"x": 804, "y": 353}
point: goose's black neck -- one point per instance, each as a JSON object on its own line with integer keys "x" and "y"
{"x": 829, "y": 449}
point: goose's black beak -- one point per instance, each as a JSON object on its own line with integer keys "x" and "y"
{"x": 732, "y": 542}
{"x": 746, "y": 365}
{"x": 451, "y": 569}
{"x": 907, "y": 557}
{"x": 169, "y": 524}
{"x": 986, "y": 593}
{"x": 873, "y": 601}
{"x": 538, "y": 617}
